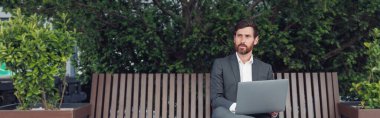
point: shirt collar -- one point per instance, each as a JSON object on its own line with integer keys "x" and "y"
{"x": 239, "y": 60}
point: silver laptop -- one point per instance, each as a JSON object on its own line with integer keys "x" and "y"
{"x": 261, "y": 96}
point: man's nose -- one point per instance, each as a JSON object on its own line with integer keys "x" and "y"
{"x": 244, "y": 40}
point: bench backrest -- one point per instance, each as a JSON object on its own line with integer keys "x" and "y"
{"x": 150, "y": 95}
{"x": 311, "y": 95}
{"x": 163, "y": 95}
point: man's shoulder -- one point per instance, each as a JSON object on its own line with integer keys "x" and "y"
{"x": 258, "y": 61}
{"x": 224, "y": 59}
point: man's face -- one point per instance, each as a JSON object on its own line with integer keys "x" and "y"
{"x": 244, "y": 40}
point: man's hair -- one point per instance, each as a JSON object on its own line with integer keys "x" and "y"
{"x": 246, "y": 23}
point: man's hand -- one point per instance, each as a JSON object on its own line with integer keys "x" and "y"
{"x": 274, "y": 114}
{"x": 233, "y": 107}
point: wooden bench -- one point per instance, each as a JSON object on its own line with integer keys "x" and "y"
{"x": 162, "y": 95}
{"x": 312, "y": 95}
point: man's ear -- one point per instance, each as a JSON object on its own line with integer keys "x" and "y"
{"x": 256, "y": 40}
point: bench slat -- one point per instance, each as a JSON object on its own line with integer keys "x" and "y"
{"x": 330, "y": 95}
{"x": 288, "y": 107}
{"x": 95, "y": 79}
{"x": 128, "y": 105}
{"x": 179, "y": 95}
{"x": 171, "y": 95}
{"x": 164, "y": 95}
{"x": 295, "y": 106}
{"x": 207, "y": 100}
{"x": 158, "y": 96}
{"x": 100, "y": 96}
{"x": 150, "y": 96}
{"x": 336, "y": 93}
{"x": 323, "y": 95}
{"x": 143, "y": 88}
{"x": 316, "y": 95}
{"x": 279, "y": 76}
{"x": 309, "y": 94}
{"x": 114, "y": 95}
{"x": 107, "y": 92}
{"x": 301, "y": 94}
{"x": 200, "y": 95}
{"x": 120, "y": 113}
{"x": 135, "y": 106}
{"x": 193, "y": 95}
{"x": 186, "y": 96}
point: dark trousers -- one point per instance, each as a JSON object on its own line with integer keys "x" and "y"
{"x": 222, "y": 112}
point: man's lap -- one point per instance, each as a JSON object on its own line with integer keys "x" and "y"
{"x": 222, "y": 112}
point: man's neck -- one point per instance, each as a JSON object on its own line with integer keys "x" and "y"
{"x": 245, "y": 58}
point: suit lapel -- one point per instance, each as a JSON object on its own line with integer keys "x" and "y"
{"x": 235, "y": 67}
{"x": 255, "y": 70}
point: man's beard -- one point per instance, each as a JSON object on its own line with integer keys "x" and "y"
{"x": 242, "y": 50}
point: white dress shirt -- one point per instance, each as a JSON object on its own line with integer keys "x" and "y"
{"x": 245, "y": 70}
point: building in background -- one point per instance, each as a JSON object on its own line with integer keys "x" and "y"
{"x": 3, "y": 15}
{"x": 3, "y": 72}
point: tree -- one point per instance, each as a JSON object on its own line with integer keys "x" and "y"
{"x": 36, "y": 52}
{"x": 186, "y": 35}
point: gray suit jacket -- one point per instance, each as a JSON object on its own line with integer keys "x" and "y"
{"x": 225, "y": 77}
